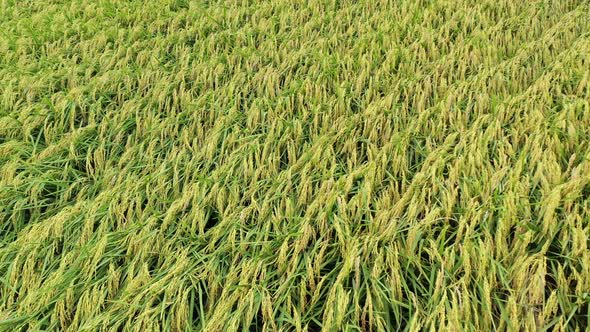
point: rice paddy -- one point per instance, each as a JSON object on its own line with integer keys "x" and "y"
{"x": 290, "y": 165}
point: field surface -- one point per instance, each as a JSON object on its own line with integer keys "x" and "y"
{"x": 292, "y": 165}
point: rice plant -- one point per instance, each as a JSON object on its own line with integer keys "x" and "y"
{"x": 290, "y": 165}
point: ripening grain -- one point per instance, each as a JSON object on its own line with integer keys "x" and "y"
{"x": 291, "y": 165}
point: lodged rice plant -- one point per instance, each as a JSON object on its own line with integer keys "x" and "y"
{"x": 290, "y": 165}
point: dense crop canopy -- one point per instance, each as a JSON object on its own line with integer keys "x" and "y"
{"x": 293, "y": 165}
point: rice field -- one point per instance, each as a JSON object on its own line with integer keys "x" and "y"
{"x": 290, "y": 165}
